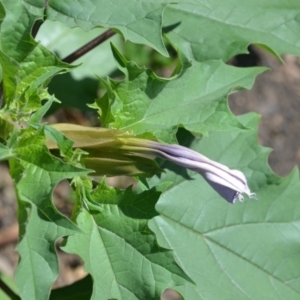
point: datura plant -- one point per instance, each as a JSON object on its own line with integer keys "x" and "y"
{"x": 154, "y": 107}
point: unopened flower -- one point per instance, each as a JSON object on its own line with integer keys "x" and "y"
{"x": 230, "y": 184}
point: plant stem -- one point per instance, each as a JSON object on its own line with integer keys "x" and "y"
{"x": 89, "y": 46}
{"x": 8, "y": 291}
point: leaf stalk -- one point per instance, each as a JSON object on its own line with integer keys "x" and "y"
{"x": 89, "y": 46}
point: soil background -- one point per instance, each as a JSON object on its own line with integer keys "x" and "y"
{"x": 275, "y": 96}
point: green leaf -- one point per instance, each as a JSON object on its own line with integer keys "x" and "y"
{"x": 229, "y": 249}
{"x": 138, "y": 21}
{"x": 221, "y": 29}
{"x": 38, "y": 115}
{"x": 119, "y": 250}
{"x": 5, "y": 152}
{"x": 36, "y": 173}
{"x": 6, "y": 126}
{"x": 26, "y": 65}
{"x": 195, "y": 99}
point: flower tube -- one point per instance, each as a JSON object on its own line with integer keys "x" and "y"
{"x": 230, "y": 184}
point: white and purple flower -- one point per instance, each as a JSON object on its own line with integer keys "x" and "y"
{"x": 230, "y": 184}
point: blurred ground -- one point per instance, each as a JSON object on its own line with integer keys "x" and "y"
{"x": 276, "y": 96}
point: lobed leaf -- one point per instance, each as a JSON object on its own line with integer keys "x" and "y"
{"x": 118, "y": 249}
{"x": 229, "y": 249}
{"x": 138, "y": 21}
{"x": 26, "y": 65}
{"x": 36, "y": 173}
{"x": 222, "y": 29}
{"x": 194, "y": 99}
